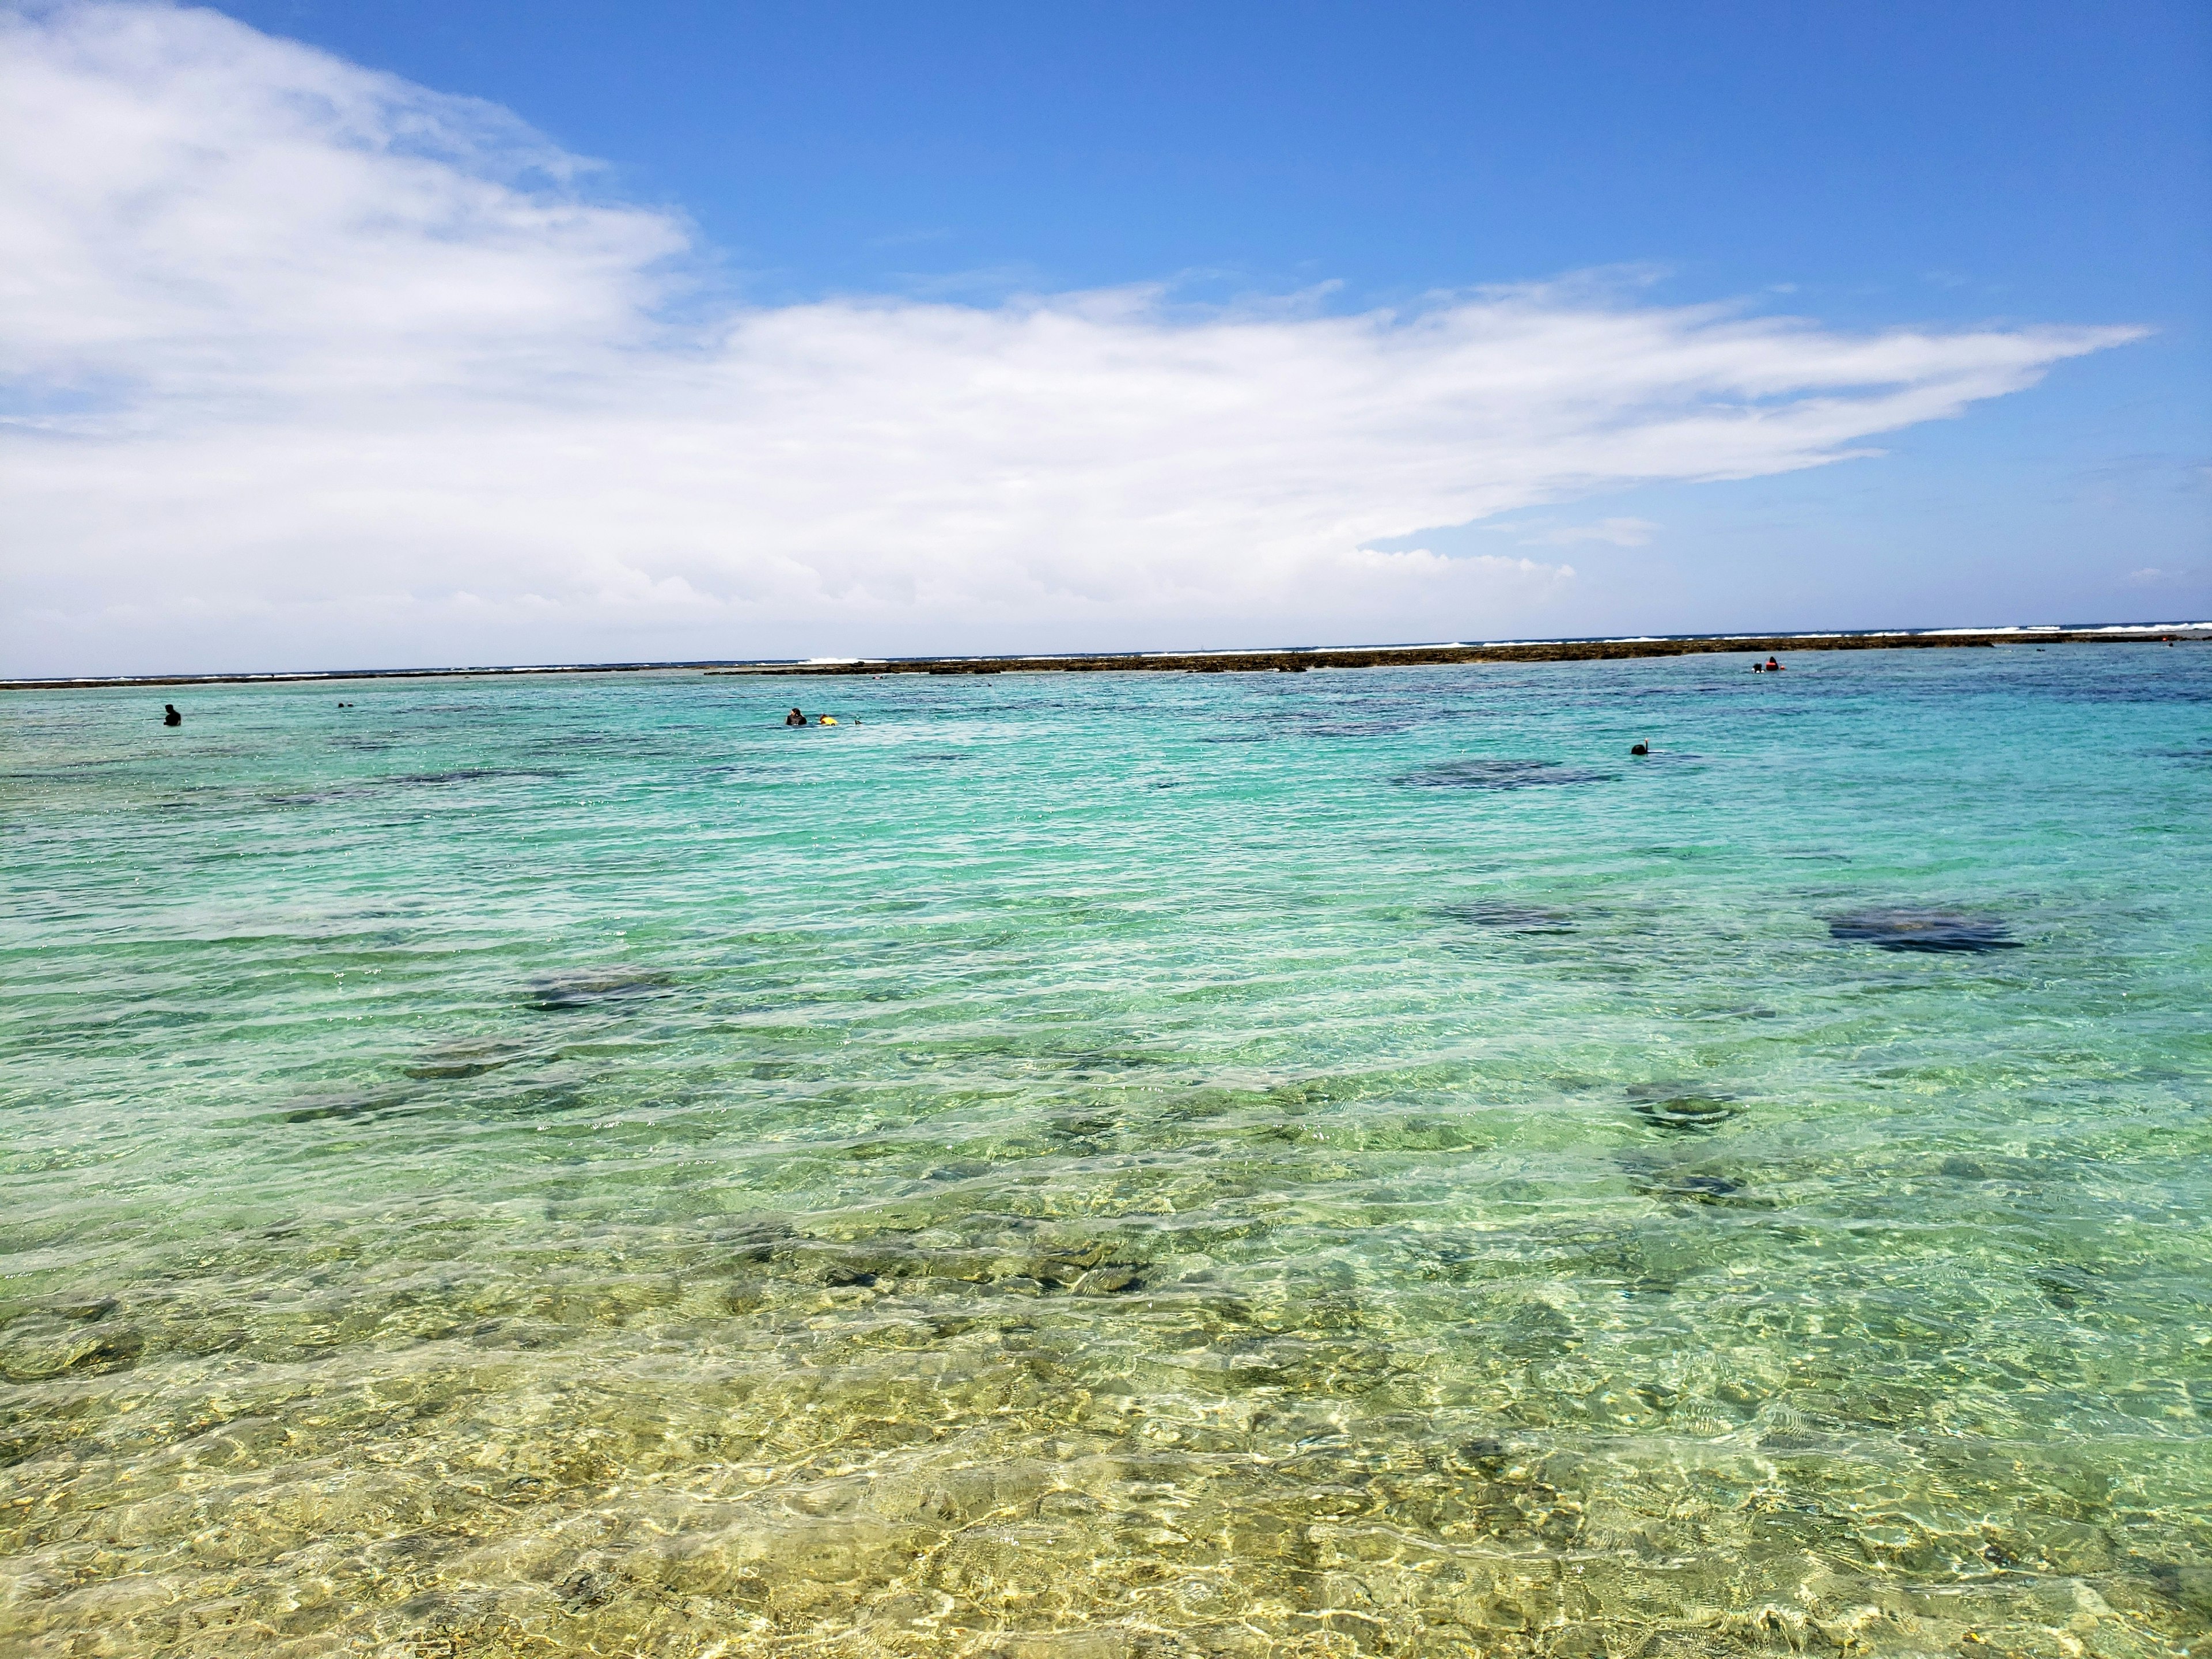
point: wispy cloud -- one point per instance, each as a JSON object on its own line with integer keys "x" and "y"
{"x": 309, "y": 360}
{"x": 2157, "y": 576}
{"x": 1620, "y": 532}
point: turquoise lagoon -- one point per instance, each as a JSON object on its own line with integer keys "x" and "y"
{"x": 1063, "y": 1166}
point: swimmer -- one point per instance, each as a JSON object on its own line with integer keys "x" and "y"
{"x": 170, "y": 716}
{"x": 826, "y": 719}
{"x": 794, "y": 718}
{"x": 1758, "y": 667}
{"x": 1772, "y": 666}
{"x": 1640, "y": 749}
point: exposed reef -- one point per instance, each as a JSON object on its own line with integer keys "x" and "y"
{"x": 1210, "y": 662}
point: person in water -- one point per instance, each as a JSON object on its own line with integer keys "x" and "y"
{"x": 170, "y": 716}
{"x": 1640, "y": 749}
{"x": 794, "y": 718}
{"x": 1772, "y": 666}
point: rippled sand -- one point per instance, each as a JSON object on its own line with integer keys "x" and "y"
{"x": 1347, "y": 1164}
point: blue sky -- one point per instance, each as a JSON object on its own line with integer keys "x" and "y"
{"x": 1965, "y": 170}
{"x": 1954, "y": 162}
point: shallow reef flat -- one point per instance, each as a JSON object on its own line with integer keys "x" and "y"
{"x": 1091, "y": 1167}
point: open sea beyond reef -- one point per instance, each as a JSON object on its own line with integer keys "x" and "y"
{"x": 1083, "y": 1167}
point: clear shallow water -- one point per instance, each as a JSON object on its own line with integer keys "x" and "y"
{"x": 1083, "y": 1166}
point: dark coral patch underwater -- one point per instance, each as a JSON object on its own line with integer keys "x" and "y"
{"x": 1499, "y": 773}
{"x": 1670, "y": 1106}
{"x": 1908, "y": 927}
{"x": 1511, "y": 918}
{"x": 585, "y": 988}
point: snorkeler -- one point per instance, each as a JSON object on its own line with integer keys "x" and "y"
{"x": 1640, "y": 749}
{"x": 794, "y": 718}
{"x": 171, "y": 717}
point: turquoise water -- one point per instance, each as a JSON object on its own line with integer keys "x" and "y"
{"x": 1072, "y": 1166}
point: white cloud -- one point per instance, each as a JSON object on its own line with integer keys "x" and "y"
{"x": 311, "y": 363}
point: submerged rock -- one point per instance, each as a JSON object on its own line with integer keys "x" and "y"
{"x": 581, "y": 988}
{"x": 2186, "y": 1585}
{"x": 887, "y": 1261}
{"x": 2065, "y": 1287}
{"x": 1531, "y": 1330}
{"x": 1112, "y": 1280}
{"x": 66, "y": 1341}
{"x": 468, "y": 1058}
{"x": 1511, "y": 918}
{"x": 1485, "y": 1454}
{"x": 474, "y": 775}
{"x": 1693, "y": 1186}
{"x": 1499, "y": 773}
{"x": 1672, "y": 1107}
{"x": 1706, "y": 1189}
{"x": 584, "y": 1589}
{"x": 1909, "y": 928}
{"x": 319, "y": 1108}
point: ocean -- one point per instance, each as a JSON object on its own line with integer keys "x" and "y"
{"x": 1069, "y": 1166}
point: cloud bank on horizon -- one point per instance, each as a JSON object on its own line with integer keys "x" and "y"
{"x": 308, "y": 366}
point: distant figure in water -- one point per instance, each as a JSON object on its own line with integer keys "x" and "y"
{"x": 1640, "y": 749}
{"x": 1772, "y": 666}
{"x": 794, "y": 718}
{"x": 171, "y": 717}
